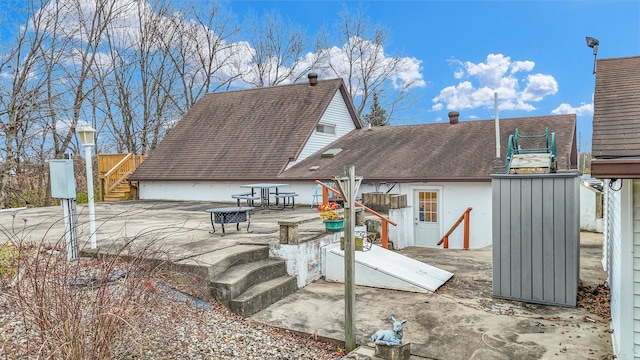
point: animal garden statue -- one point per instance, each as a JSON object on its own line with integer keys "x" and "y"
{"x": 390, "y": 337}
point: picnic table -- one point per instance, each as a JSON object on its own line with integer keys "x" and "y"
{"x": 265, "y": 192}
{"x": 229, "y": 215}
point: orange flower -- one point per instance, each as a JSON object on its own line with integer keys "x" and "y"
{"x": 328, "y": 211}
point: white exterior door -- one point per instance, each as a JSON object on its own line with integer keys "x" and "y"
{"x": 427, "y": 217}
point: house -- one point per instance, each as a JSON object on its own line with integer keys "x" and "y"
{"x": 616, "y": 160}
{"x": 300, "y": 133}
{"x": 591, "y": 204}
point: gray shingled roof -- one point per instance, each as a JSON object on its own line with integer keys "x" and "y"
{"x": 616, "y": 118}
{"x": 439, "y": 151}
{"x": 247, "y": 134}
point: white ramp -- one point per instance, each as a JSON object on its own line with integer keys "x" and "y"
{"x": 382, "y": 268}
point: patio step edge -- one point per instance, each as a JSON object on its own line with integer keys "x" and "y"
{"x": 261, "y": 296}
{"x": 237, "y": 279}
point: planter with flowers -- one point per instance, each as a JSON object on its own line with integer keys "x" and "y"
{"x": 333, "y": 221}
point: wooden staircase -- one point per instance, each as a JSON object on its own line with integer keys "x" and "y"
{"x": 113, "y": 174}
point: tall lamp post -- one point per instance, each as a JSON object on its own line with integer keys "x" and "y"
{"x": 87, "y": 139}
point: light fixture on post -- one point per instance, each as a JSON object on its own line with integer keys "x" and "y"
{"x": 593, "y": 43}
{"x": 87, "y": 138}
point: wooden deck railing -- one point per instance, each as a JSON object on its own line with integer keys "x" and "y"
{"x": 119, "y": 172}
{"x": 464, "y": 217}
{"x": 385, "y": 221}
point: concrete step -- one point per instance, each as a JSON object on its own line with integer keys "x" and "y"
{"x": 260, "y": 296}
{"x": 242, "y": 277}
{"x": 212, "y": 264}
{"x": 239, "y": 278}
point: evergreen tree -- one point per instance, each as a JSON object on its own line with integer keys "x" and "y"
{"x": 378, "y": 115}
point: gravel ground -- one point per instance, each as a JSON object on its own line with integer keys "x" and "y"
{"x": 162, "y": 328}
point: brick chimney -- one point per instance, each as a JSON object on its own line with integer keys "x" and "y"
{"x": 453, "y": 117}
{"x": 313, "y": 79}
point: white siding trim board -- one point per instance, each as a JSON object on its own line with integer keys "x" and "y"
{"x": 636, "y": 267}
{"x": 613, "y": 236}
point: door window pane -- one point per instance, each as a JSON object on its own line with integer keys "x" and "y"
{"x": 428, "y": 206}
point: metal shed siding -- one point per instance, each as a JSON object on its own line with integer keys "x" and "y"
{"x": 536, "y": 238}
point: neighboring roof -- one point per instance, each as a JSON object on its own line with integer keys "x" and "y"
{"x": 615, "y": 144}
{"x": 616, "y": 103}
{"x": 431, "y": 152}
{"x": 246, "y": 134}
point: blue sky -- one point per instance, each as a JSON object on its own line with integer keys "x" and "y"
{"x": 455, "y": 54}
{"x": 533, "y": 53}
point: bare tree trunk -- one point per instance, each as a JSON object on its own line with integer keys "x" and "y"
{"x": 278, "y": 52}
{"x": 364, "y": 65}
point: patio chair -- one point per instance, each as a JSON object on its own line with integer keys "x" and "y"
{"x": 317, "y": 195}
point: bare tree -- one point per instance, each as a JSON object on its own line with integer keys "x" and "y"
{"x": 132, "y": 96}
{"x": 363, "y": 64}
{"x": 167, "y": 61}
{"x": 203, "y": 52}
{"x": 21, "y": 93}
{"x": 82, "y": 26}
{"x": 278, "y": 51}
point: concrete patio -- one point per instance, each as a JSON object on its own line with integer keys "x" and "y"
{"x": 460, "y": 321}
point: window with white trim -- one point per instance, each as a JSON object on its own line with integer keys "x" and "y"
{"x": 326, "y": 129}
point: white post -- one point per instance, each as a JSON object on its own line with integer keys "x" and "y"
{"x": 497, "y": 121}
{"x": 349, "y": 262}
{"x": 92, "y": 212}
{"x": 349, "y": 185}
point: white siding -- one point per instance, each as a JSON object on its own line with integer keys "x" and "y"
{"x": 337, "y": 115}
{"x": 456, "y": 198}
{"x": 588, "y": 220}
{"x": 612, "y": 238}
{"x": 619, "y": 228}
{"x": 220, "y": 191}
{"x": 636, "y": 268}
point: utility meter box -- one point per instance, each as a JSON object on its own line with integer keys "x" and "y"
{"x": 63, "y": 181}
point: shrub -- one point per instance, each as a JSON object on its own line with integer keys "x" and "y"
{"x": 90, "y": 308}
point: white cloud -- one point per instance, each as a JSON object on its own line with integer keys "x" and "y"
{"x": 497, "y": 74}
{"x": 522, "y": 66}
{"x": 227, "y": 58}
{"x": 407, "y": 70}
{"x": 564, "y": 108}
{"x": 539, "y": 86}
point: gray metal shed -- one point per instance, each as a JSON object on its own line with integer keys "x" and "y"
{"x": 536, "y": 237}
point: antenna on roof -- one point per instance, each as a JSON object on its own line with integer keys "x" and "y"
{"x": 593, "y": 43}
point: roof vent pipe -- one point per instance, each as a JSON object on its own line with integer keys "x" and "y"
{"x": 453, "y": 117}
{"x": 313, "y": 79}
{"x": 495, "y": 96}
